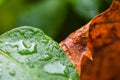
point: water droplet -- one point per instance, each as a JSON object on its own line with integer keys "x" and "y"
{"x": 58, "y": 55}
{"x": 47, "y": 48}
{"x": 45, "y": 57}
{"x": 12, "y": 73}
{"x": 55, "y": 68}
{"x": 56, "y": 46}
{"x": 27, "y": 60}
{"x": 40, "y": 66}
{"x": 22, "y": 49}
{"x": 70, "y": 65}
{"x": 45, "y": 41}
{"x": 31, "y": 65}
{"x": 21, "y": 32}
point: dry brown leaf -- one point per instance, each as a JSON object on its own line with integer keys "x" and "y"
{"x": 100, "y": 38}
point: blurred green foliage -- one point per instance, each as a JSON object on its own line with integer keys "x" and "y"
{"x": 57, "y": 18}
{"x": 1, "y": 2}
{"x": 48, "y": 16}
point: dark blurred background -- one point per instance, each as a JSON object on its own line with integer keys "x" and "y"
{"x": 57, "y": 18}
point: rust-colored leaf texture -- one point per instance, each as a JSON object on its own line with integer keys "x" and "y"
{"x": 94, "y": 49}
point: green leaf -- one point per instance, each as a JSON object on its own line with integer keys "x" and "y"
{"x": 48, "y": 16}
{"x": 26, "y": 53}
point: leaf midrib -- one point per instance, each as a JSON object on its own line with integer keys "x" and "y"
{"x": 17, "y": 63}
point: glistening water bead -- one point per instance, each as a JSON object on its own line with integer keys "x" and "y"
{"x": 55, "y": 68}
{"x": 31, "y": 65}
{"x": 12, "y": 73}
{"x": 22, "y": 49}
{"x": 45, "y": 57}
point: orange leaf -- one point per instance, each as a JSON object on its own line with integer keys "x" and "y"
{"x": 100, "y": 38}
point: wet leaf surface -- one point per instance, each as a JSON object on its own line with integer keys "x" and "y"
{"x": 26, "y": 53}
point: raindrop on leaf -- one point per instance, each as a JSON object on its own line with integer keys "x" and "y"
{"x": 12, "y": 73}
{"x": 40, "y": 66}
{"x": 55, "y": 68}
{"x": 45, "y": 57}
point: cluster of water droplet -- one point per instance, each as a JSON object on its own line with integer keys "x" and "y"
{"x": 38, "y": 52}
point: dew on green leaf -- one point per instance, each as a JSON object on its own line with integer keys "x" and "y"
{"x": 40, "y": 66}
{"x": 55, "y": 68}
{"x": 31, "y": 65}
{"x": 70, "y": 65}
{"x": 58, "y": 55}
{"x": 47, "y": 48}
{"x": 45, "y": 57}
{"x": 28, "y": 34}
{"x": 33, "y": 57}
{"x": 45, "y": 41}
{"x": 25, "y": 50}
{"x": 22, "y": 48}
{"x": 21, "y": 32}
{"x": 27, "y": 60}
{"x": 56, "y": 46}
{"x": 12, "y": 73}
